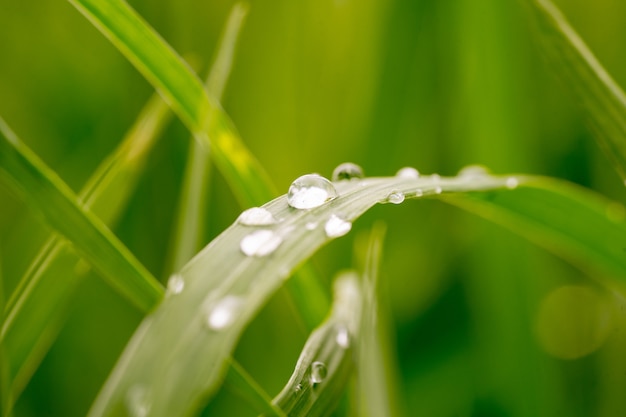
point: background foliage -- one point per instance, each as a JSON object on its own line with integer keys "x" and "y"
{"x": 432, "y": 84}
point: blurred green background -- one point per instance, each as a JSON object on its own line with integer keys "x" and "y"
{"x": 486, "y": 324}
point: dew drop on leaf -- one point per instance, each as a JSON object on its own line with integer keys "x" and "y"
{"x": 310, "y": 191}
{"x": 471, "y": 172}
{"x": 347, "y": 171}
{"x": 318, "y": 372}
{"x": 223, "y": 312}
{"x": 512, "y": 183}
{"x": 438, "y": 190}
{"x": 343, "y": 337}
{"x": 336, "y": 226}
{"x": 395, "y": 197}
{"x": 256, "y": 216}
{"x": 419, "y": 192}
{"x": 260, "y": 243}
{"x": 408, "y": 172}
{"x": 176, "y": 284}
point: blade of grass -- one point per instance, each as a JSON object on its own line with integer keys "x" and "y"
{"x": 5, "y": 390}
{"x": 242, "y": 383}
{"x": 38, "y": 307}
{"x": 326, "y": 362}
{"x": 601, "y": 97}
{"x": 376, "y": 382}
{"x": 177, "y": 358}
{"x": 202, "y": 115}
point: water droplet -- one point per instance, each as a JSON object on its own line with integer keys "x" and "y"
{"x": 223, "y": 312}
{"x": 512, "y": 183}
{"x": 256, "y": 216}
{"x": 318, "y": 372}
{"x": 310, "y": 191}
{"x": 138, "y": 401}
{"x": 471, "y": 172}
{"x": 343, "y": 337}
{"x": 435, "y": 177}
{"x": 176, "y": 284}
{"x": 298, "y": 389}
{"x": 260, "y": 243}
{"x": 311, "y": 225}
{"x": 396, "y": 197}
{"x": 438, "y": 190}
{"x": 336, "y": 226}
{"x": 419, "y": 192}
{"x": 347, "y": 171}
{"x": 408, "y": 172}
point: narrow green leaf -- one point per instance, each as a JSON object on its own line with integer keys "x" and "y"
{"x": 376, "y": 382}
{"x": 180, "y": 353}
{"x": 239, "y": 381}
{"x": 49, "y": 197}
{"x": 6, "y": 399}
{"x": 326, "y": 362}
{"x": 38, "y": 307}
{"x": 601, "y": 97}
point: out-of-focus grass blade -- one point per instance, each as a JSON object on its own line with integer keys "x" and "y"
{"x": 37, "y": 308}
{"x": 5, "y": 390}
{"x": 48, "y": 196}
{"x": 326, "y": 362}
{"x": 242, "y": 384}
{"x": 195, "y": 190}
{"x": 180, "y": 353}
{"x": 581, "y": 226}
{"x": 376, "y": 385}
{"x": 202, "y": 115}
{"x": 602, "y": 98}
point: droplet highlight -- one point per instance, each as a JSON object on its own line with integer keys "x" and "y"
{"x": 408, "y": 172}
{"x": 318, "y": 372}
{"x": 343, "y": 337}
{"x": 347, "y": 171}
{"x": 336, "y": 226}
{"x": 395, "y": 197}
{"x": 256, "y": 216}
{"x": 176, "y": 284}
{"x": 223, "y": 312}
{"x": 310, "y": 191}
{"x": 260, "y": 243}
{"x": 512, "y": 183}
{"x": 311, "y": 225}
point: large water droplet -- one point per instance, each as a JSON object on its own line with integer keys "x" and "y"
{"x": 347, "y": 171}
{"x": 408, "y": 172}
{"x": 176, "y": 284}
{"x": 336, "y": 226}
{"x": 471, "y": 172}
{"x": 138, "y": 401}
{"x": 260, "y": 243}
{"x": 256, "y": 216}
{"x": 318, "y": 372}
{"x": 223, "y": 312}
{"x": 343, "y": 337}
{"x": 310, "y": 191}
{"x": 396, "y": 197}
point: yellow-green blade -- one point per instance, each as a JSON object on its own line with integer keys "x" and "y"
{"x": 601, "y": 97}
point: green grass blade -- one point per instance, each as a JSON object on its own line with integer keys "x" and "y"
{"x": 195, "y": 190}
{"x": 242, "y": 384}
{"x": 376, "y": 382}
{"x": 576, "y": 224}
{"x": 601, "y": 97}
{"x": 176, "y": 359}
{"x": 202, "y": 114}
{"x": 48, "y": 196}
{"x": 38, "y": 306}
{"x": 5, "y": 388}
{"x": 326, "y": 362}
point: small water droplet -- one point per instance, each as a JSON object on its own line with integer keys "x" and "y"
{"x": 222, "y": 313}
{"x": 343, "y": 337}
{"x": 438, "y": 190}
{"x": 318, "y": 372}
{"x": 310, "y": 225}
{"x": 256, "y": 216}
{"x": 512, "y": 183}
{"x": 298, "y": 389}
{"x": 310, "y": 191}
{"x": 471, "y": 172}
{"x": 138, "y": 401}
{"x": 260, "y": 243}
{"x": 336, "y": 226}
{"x": 347, "y": 171}
{"x": 396, "y": 197}
{"x": 419, "y": 192}
{"x": 176, "y": 284}
{"x": 408, "y": 172}
{"x": 435, "y": 177}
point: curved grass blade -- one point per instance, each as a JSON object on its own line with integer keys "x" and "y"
{"x": 38, "y": 307}
{"x": 202, "y": 115}
{"x": 376, "y": 382}
{"x": 48, "y": 196}
{"x": 576, "y": 224}
{"x": 179, "y": 355}
{"x": 326, "y": 362}
{"x": 601, "y": 97}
